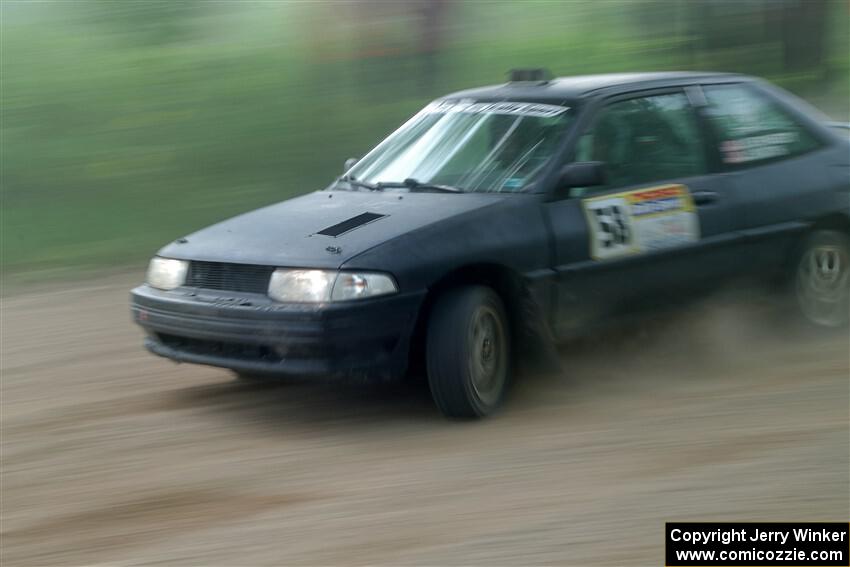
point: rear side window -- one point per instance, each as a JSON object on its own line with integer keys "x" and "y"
{"x": 751, "y": 128}
{"x": 645, "y": 139}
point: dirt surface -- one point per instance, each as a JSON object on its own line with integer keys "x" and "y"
{"x": 113, "y": 456}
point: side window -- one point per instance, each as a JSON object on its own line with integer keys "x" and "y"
{"x": 646, "y": 139}
{"x": 751, "y": 128}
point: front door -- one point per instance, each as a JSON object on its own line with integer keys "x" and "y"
{"x": 660, "y": 223}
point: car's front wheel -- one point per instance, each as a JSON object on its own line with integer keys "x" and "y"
{"x": 468, "y": 352}
{"x": 822, "y": 279}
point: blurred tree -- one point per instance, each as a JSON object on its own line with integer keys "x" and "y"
{"x": 146, "y": 23}
{"x": 802, "y": 28}
{"x": 432, "y": 14}
{"x": 797, "y": 27}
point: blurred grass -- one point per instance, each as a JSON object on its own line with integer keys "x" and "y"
{"x": 125, "y": 126}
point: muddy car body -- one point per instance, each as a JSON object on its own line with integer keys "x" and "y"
{"x": 517, "y": 213}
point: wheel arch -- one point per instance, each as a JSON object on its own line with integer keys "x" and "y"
{"x": 506, "y": 282}
{"x": 833, "y": 221}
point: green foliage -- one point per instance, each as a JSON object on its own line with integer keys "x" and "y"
{"x": 126, "y": 125}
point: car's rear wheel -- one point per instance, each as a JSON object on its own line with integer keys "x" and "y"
{"x": 468, "y": 352}
{"x": 822, "y": 279}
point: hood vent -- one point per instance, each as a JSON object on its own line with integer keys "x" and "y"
{"x": 348, "y": 225}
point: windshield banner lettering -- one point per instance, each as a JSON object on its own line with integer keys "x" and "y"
{"x": 514, "y": 108}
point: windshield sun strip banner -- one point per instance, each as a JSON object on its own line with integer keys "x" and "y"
{"x": 512, "y": 108}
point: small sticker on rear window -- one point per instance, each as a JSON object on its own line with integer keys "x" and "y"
{"x": 756, "y": 148}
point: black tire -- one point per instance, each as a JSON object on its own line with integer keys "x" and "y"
{"x": 468, "y": 352}
{"x": 821, "y": 279}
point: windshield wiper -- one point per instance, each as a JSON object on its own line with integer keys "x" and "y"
{"x": 409, "y": 183}
{"x": 416, "y": 185}
{"x": 357, "y": 183}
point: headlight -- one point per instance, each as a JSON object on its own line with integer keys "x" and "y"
{"x": 167, "y": 273}
{"x": 323, "y": 286}
{"x": 351, "y": 285}
{"x": 301, "y": 286}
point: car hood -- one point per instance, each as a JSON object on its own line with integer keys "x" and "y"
{"x": 322, "y": 229}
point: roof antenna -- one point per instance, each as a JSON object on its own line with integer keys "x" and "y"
{"x": 536, "y": 75}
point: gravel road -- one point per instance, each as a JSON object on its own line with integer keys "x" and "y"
{"x": 111, "y": 456}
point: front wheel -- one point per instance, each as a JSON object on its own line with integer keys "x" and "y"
{"x": 822, "y": 279}
{"x": 468, "y": 352}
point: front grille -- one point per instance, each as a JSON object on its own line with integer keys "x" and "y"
{"x": 229, "y": 277}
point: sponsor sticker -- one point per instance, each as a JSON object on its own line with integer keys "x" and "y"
{"x": 639, "y": 221}
{"x": 755, "y": 148}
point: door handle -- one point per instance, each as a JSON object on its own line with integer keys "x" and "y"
{"x": 705, "y": 197}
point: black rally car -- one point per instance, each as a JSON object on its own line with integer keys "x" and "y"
{"x": 519, "y": 212}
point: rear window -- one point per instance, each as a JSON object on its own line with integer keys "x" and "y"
{"x": 753, "y": 129}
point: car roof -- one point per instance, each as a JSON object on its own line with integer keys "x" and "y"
{"x": 582, "y": 86}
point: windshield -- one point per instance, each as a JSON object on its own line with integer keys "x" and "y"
{"x": 473, "y": 146}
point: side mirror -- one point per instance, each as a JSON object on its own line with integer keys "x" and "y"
{"x": 580, "y": 174}
{"x": 349, "y": 163}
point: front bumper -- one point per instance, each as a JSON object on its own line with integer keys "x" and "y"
{"x": 251, "y": 333}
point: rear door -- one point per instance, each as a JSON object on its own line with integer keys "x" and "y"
{"x": 662, "y": 222}
{"x": 782, "y": 173}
